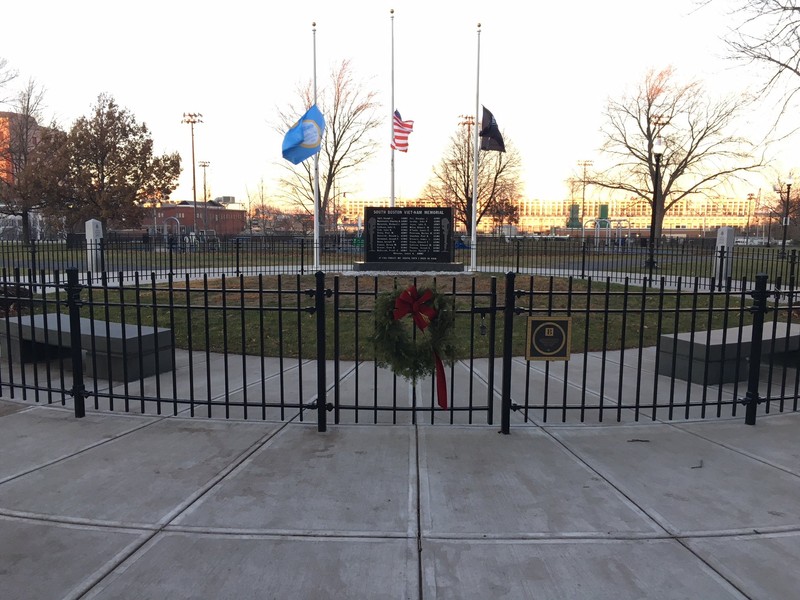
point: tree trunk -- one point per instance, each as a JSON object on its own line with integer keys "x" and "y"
{"x": 26, "y": 227}
{"x": 659, "y": 221}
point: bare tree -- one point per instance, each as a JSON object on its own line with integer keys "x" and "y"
{"x": 767, "y": 35}
{"x": 452, "y": 182}
{"x": 504, "y": 212}
{"x": 31, "y": 157}
{"x": 349, "y": 108}
{"x": 258, "y": 205}
{"x": 7, "y": 75}
{"x": 575, "y": 185}
{"x": 701, "y": 153}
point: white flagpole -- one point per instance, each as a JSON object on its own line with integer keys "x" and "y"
{"x": 391, "y": 116}
{"x": 474, "y": 216}
{"x": 316, "y": 163}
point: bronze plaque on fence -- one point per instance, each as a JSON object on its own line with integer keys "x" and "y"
{"x": 548, "y": 338}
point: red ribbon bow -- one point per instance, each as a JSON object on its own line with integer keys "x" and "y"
{"x": 419, "y": 307}
{"x": 410, "y": 302}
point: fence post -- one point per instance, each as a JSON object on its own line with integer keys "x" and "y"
{"x": 583, "y": 259}
{"x": 322, "y": 403}
{"x": 722, "y": 266}
{"x": 238, "y": 269}
{"x": 758, "y": 310}
{"x": 103, "y": 275}
{"x": 33, "y": 260}
{"x": 171, "y": 246}
{"x": 73, "y": 302}
{"x": 302, "y": 256}
{"x": 508, "y": 339}
{"x": 519, "y": 244}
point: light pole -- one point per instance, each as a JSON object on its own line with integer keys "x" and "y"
{"x": 204, "y": 164}
{"x": 155, "y": 219}
{"x": 751, "y": 198}
{"x": 658, "y": 151}
{"x": 785, "y": 218}
{"x": 584, "y": 164}
{"x": 192, "y": 119}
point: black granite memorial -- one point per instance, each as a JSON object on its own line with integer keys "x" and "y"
{"x": 408, "y": 239}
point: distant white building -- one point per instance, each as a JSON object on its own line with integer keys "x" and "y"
{"x": 11, "y": 227}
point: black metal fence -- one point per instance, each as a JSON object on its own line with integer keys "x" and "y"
{"x": 590, "y": 257}
{"x": 670, "y": 259}
{"x": 301, "y": 347}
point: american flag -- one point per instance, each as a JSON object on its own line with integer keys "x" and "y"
{"x": 401, "y": 130}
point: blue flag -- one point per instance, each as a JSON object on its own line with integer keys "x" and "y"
{"x": 305, "y": 137}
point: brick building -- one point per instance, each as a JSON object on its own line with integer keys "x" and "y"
{"x": 179, "y": 217}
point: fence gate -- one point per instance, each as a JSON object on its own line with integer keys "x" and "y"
{"x": 363, "y": 391}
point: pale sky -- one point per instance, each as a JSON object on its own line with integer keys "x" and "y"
{"x": 546, "y": 72}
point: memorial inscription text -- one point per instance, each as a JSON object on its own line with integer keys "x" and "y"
{"x": 409, "y": 234}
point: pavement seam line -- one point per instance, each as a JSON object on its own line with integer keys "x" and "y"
{"x": 613, "y": 404}
{"x": 98, "y": 577}
{"x": 85, "y": 449}
{"x": 242, "y": 388}
{"x": 611, "y": 484}
{"x": 739, "y": 451}
{"x": 419, "y": 516}
{"x": 677, "y": 538}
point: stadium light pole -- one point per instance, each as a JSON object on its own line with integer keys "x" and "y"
{"x": 785, "y": 221}
{"x": 192, "y": 119}
{"x": 204, "y": 164}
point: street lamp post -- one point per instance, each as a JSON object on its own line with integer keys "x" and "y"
{"x": 192, "y": 119}
{"x": 771, "y": 216}
{"x": 658, "y": 151}
{"x": 750, "y": 209}
{"x": 584, "y": 164}
{"x": 155, "y": 219}
{"x": 204, "y": 164}
{"x": 785, "y": 218}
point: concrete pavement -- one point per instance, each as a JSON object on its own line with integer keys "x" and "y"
{"x": 127, "y": 506}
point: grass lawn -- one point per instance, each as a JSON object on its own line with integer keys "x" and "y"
{"x": 274, "y": 315}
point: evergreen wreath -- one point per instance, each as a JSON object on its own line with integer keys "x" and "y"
{"x": 415, "y": 354}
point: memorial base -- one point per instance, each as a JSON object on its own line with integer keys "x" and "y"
{"x": 409, "y": 266}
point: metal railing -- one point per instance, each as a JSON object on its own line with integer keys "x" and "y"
{"x": 281, "y": 347}
{"x": 598, "y": 258}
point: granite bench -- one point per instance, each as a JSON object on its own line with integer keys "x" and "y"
{"x": 726, "y": 361}
{"x": 120, "y": 352}
{"x": 14, "y": 296}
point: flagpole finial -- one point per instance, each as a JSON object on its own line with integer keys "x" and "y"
{"x": 479, "y": 26}
{"x": 314, "y": 24}
{"x": 391, "y": 11}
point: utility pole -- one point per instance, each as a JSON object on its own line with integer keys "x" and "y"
{"x": 469, "y": 121}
